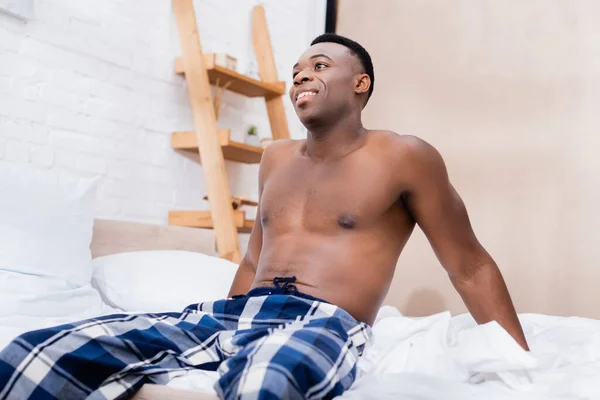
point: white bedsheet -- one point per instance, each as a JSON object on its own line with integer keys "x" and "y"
{"x": 444, "y": 357}
{"x": 11, "y": 327}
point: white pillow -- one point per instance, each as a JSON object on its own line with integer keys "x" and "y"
{"x": 161, "y": 280}
{"x": 39, "y": 296}
{"x": 46, "y": 221}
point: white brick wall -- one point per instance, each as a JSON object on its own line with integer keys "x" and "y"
{"x": 88, "y": 86}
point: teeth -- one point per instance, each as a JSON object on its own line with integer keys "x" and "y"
{"x": 301, "y": 95}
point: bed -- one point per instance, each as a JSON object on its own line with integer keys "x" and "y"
{"x": 435, "y": 357}
{"x": 113, "y": 237}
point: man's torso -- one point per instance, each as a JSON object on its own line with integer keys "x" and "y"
{"x": 338, "y": 226}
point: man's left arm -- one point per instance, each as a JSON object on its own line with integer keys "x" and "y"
{"x": 438, "y": 209}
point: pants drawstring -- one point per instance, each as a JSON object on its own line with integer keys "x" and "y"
{"x": 287, "y": 287}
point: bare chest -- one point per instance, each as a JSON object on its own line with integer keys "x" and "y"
{"x": 325, "y": 198}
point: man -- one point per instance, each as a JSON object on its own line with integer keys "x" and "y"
{"x": 335, "y": 211}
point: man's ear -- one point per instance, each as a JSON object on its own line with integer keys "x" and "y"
{"x": 363, "y": 83}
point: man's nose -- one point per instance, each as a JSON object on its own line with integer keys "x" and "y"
{"x": 302, "y": 77}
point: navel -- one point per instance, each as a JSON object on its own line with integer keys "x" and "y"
{"x": 347, "y": 221}
{"x": 264, "y": 218}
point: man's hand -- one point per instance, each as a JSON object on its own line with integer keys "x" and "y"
{"x": 441, "y": 214}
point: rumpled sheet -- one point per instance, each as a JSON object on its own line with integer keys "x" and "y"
{"x": 445, "y": 357}
{"x": 450, "y": 358}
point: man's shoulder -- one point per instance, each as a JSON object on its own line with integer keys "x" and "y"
{"x": 278, "y": 150}
{"x": 283, "y": 145}
{"x": 415, "y": 159}
{"x": 281, "y": 148}
{"x": 400, "y": 146}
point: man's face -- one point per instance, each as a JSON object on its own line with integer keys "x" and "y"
{"x": 325, "y": 81}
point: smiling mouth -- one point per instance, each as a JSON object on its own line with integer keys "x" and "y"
{"x": 305, "y": 95}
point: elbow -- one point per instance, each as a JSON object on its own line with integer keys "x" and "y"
{"x": 472, "y": 274}
{"x": 248, "y": 265}
{"x": 243, "y": 279}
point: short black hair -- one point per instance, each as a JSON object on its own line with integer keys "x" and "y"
{"x": 356, "y": 49}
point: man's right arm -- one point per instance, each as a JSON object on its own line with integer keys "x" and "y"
{"x": 247, "y": 270}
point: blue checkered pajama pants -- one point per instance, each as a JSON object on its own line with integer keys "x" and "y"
{"x": 265, "y": 345}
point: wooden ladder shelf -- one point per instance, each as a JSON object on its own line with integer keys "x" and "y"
{"x": 234, "y": 151}
{"x": 214, "y": 145}
{"x": 237, "y": 82}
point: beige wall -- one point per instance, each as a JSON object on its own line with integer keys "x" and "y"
{"x": 509, "y": 92}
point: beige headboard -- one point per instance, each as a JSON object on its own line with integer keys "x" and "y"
{"x": 112, "y": 237}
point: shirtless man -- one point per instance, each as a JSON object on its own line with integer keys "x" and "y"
{"x": 335, "y": 212}
{"x": 337, "y": 208}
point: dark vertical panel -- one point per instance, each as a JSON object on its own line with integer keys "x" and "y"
{"x": 331, "y": 16}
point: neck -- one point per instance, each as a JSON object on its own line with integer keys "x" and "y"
{"x": 335, "y": 139}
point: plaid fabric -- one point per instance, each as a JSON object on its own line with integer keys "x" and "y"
{"x": 265, "y": 347}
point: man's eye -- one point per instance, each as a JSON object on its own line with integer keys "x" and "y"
{"x": 320, "y": 66}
